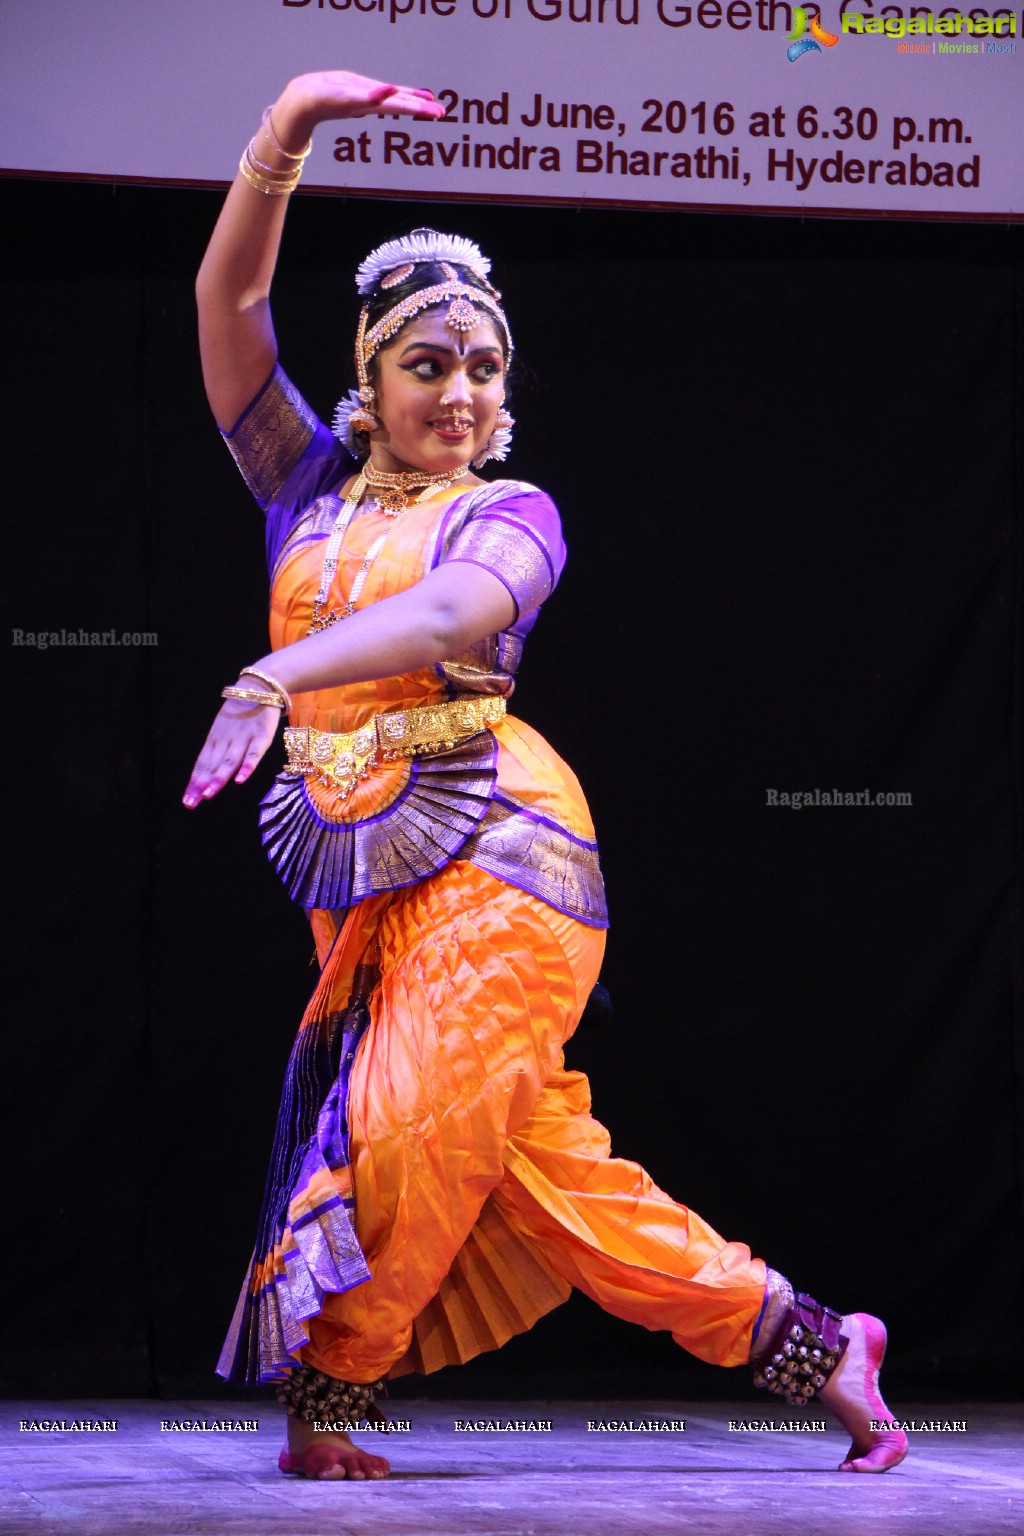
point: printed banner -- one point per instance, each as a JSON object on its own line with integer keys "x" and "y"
{"x": 850, "y": 106}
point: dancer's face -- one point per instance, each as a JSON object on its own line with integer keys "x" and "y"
{"x": 438, "y": 393}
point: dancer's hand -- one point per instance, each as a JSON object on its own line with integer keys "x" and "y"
{"x": 239, "y": 736}
{"x": 330, "y": 94}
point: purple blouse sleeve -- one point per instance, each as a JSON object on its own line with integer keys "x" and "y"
{"x": 518, "y": 539}
{"x": 286, "y": 455}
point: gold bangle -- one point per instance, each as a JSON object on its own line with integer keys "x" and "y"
{"x": 256, "y": 164}
{"x": 271, "y": 683}
{"x": 252, "y": 696}
{"x": 263, "y": 183}
{"x": 275, "y": 142}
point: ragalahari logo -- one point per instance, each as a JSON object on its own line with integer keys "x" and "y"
{"x": 805, "y": 22}
{"x": 809, "y": 36}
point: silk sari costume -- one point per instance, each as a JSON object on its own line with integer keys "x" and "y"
{"x": 437, "y": 1182}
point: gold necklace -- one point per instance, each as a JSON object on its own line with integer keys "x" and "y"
{"x": 322, "y": 619}
{"x": 395, "y": 488}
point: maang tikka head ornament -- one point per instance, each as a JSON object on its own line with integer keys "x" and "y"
{"x": 388, "y": 266}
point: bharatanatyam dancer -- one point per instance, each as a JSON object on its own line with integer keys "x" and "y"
{"x": 437, "y": 1182}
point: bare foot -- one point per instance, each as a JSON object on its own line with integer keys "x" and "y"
{"x": 327, "y": 1455}
{"x": 852, "y": 1395}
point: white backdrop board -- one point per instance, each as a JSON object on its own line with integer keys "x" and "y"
{"x": 612, "y": 101}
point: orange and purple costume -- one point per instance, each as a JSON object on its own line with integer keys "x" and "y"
{"x": 437, "y": 1181}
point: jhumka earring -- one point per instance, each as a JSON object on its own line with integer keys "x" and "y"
{"x": 363, "y": 419}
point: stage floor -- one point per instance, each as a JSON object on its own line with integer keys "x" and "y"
{"x": 566, "y": 1481}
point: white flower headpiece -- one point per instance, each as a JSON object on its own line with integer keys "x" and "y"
{"x": 421, "y": 245}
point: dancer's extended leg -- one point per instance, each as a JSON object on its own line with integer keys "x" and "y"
{"x": 608, "y": 1230}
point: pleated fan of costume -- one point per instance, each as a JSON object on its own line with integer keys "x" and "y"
{"x": 306, "y": 1244}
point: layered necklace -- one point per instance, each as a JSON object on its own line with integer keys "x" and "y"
{"x": 394, "y": 492}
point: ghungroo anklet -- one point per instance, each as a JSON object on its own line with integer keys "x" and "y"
{"x": 311, "y": 1395}
{"x": 803, "y": 1351}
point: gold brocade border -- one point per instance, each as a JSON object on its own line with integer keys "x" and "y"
{"x": 272, "y": 436}
{"x": 505, "y": 546}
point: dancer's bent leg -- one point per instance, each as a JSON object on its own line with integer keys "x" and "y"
{"x": 479, "y": 988}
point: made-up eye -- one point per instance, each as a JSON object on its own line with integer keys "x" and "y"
{"x": 425, "y": 368}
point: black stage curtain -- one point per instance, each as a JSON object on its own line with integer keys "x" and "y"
{"x": 788, "y": 460}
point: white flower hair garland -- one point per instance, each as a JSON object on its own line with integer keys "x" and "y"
{"x": 420, "y": 245}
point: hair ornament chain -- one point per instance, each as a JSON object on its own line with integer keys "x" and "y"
{"x": 462, "y": 315}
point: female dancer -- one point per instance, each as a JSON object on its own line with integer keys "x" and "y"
{"x": 437, "y": 1182}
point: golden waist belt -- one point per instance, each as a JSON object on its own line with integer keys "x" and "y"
{"x": 340, "y": 759}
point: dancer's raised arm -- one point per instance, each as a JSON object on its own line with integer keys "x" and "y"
{"x": 236, "y": 332}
